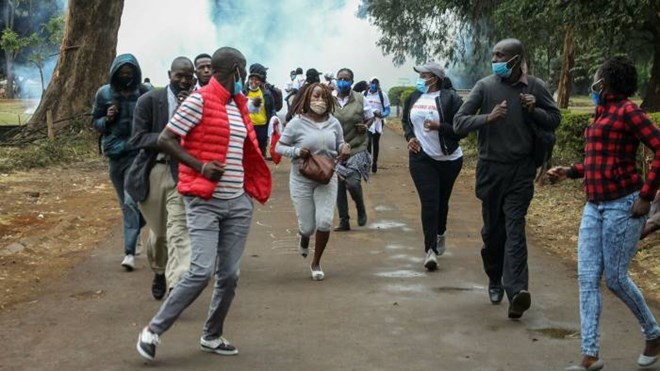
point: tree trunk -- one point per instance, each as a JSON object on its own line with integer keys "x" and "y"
{"x": 88, "y": 48}
{"x": 651, "y": 101}
{"x": 9, "y": 88}
{"x": 568, "y": 60}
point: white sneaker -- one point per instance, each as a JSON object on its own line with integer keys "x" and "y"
{"x": 128, "y": 262}
{"x": 219, "y": 346}
{"x": 431, "y": 261}
{"x": 440, "y": 244}
{"x": 317, "y": 275}
{"x": 146, "y": 344}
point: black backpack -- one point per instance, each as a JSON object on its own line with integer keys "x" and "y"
{"x": 544, "y": 140}
{"x": 277, "y": 96}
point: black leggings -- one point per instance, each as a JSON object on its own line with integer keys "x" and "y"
{"x": 434, "y": 181}
{"x": 374, "y": 143}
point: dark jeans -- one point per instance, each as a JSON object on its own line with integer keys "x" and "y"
{"x": 434, "y": 181}
{"x": 374, "y": 143}
{"x": 262, "y": 138}
{"x": 133, "y": 220}
{"x": 352, "y": 183}
{"x": 505, "y": 191}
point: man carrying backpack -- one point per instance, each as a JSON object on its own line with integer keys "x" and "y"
{"x": 504, "y": 108}
{"x": 112, "y": 117}
{"x": 380, "y": 104}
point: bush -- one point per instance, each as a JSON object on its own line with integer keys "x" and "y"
{"x": 570, "y": 136}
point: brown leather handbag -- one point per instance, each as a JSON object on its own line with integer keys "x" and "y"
{"x": 318, "y": 168}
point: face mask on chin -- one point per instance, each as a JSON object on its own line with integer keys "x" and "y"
{"x": 253, "y": 87}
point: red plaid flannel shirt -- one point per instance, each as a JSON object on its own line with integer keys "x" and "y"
{"x": 611, "y": 143}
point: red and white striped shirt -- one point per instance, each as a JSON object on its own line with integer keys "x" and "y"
{"x": 189, "y": 115}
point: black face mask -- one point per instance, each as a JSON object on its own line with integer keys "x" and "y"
{"x": 125, "y": 81}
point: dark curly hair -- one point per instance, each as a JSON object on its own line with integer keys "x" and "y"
{"x": 619, "y": 75}
{"x": 326, "y": 94}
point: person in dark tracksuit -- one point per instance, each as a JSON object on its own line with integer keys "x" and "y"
{"x": 499, "y": 107}
{"x": 435, "y": 158}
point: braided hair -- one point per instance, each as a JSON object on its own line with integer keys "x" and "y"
{"x": 326, "y": 94}
{"x": 620, "y": 75}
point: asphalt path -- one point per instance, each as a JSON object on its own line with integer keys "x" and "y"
{"x": 377, "y": 309}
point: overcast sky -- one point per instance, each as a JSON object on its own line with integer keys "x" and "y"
{"x": 281, "y": 34}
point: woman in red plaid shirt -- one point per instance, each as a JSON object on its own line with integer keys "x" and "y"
{"x": 618, "y": 202}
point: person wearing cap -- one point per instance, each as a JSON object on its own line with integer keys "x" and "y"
{"x": 380, "y": 104}
{"x": 330, "y": 81}
{"x": 435, "y": 156}
{"x": 355, "y": 115}
{"x": 261, "y": 105}
{"x": 500, "y": 108}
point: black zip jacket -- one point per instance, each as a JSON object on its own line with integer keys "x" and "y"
{"x": 448, "y": 104}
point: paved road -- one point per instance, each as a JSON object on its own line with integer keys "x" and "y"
{"x": 377, "y": 309}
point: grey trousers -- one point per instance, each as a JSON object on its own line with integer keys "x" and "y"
{"x": 314, "y": 203}
{"x": 218, "y": 230}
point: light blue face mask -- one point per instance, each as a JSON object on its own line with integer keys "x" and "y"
{"x": 502, "y": 69}
{"x": 595, "y": 95}
{"x": 238, "y": 84}
{"x": 421, "y": 86}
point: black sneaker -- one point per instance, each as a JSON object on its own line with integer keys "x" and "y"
{"x": 519, "y": 304}
{"x": 220, "y": 346}
{"x": 146, "y": 344}
{"x": 342, "y": 227}
{"x": 158, "y": 286}
{"x": 362, "y": 218}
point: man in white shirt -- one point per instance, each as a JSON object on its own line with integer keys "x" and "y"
{"x": 380, "y": 105}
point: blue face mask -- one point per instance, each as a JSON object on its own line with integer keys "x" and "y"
{"x": 373, "y": 87}
{"x": 343, "y": 85}
{"x": 238, "y": 84}
{"x": 421, "y": 86}
{"x": 502, "y": 69}
{"x": 595, "y": 97}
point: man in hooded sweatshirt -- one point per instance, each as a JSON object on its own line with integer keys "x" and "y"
{"x": 112, "y": 117}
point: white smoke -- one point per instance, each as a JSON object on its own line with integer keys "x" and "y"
{"x": 281, "y": 35}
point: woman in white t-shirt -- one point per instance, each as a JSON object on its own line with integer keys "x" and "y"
{"x": 435, "y": 158}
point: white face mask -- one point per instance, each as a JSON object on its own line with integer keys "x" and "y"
{"x": 318, "y": 106}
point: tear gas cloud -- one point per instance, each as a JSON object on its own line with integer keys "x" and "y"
{"x": 281, "y": 35}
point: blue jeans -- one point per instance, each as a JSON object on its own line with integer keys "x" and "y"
{"x": 607, "y": 244}
{"x": 133, "y": 220}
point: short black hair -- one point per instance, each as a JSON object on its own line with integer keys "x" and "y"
{"x": 620, "y": 75}
{"x": 347, "y": 70}
{"x": 360, "y": 86}
{"x": 203, "y": 55}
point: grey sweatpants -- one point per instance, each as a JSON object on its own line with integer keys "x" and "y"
{"x": 314, "y": 202}
{"x": 218, "y": 230}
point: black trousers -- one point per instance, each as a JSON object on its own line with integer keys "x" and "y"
{"x": 262, "y": 138}
{"x": 505, "y": 191}
{"x": 352, "y": 184}
{"x": 434, "y": 181}
{"x": 374, "y": 148}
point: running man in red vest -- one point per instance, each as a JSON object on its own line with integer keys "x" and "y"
{"x": 221, "y": 169}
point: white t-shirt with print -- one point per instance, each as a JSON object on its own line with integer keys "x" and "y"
{"x": 423, "y": 108}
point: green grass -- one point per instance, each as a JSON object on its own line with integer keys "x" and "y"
{"x": 12, "y": 111}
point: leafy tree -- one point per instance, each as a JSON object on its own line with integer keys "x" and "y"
{"x": 448, "y": 29}
{"x": 53, "y": 32}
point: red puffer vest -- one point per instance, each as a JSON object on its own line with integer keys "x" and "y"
{"x": 209, "y": 140}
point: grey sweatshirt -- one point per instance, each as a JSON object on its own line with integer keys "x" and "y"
{"x": 323, "y": 138}
{"x": 510, "y": 139}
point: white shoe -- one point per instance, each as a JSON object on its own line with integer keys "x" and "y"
{"x": 317, "y": 275}
{"x": 431, "y": 261}
{"x": 440, "y": 244}
{"x": 646, "y": 361}
{"x": 128, "y": 262}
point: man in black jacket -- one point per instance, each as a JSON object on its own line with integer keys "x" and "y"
{"x": 153, "y": 177}
{"x": 501, "y": 108}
